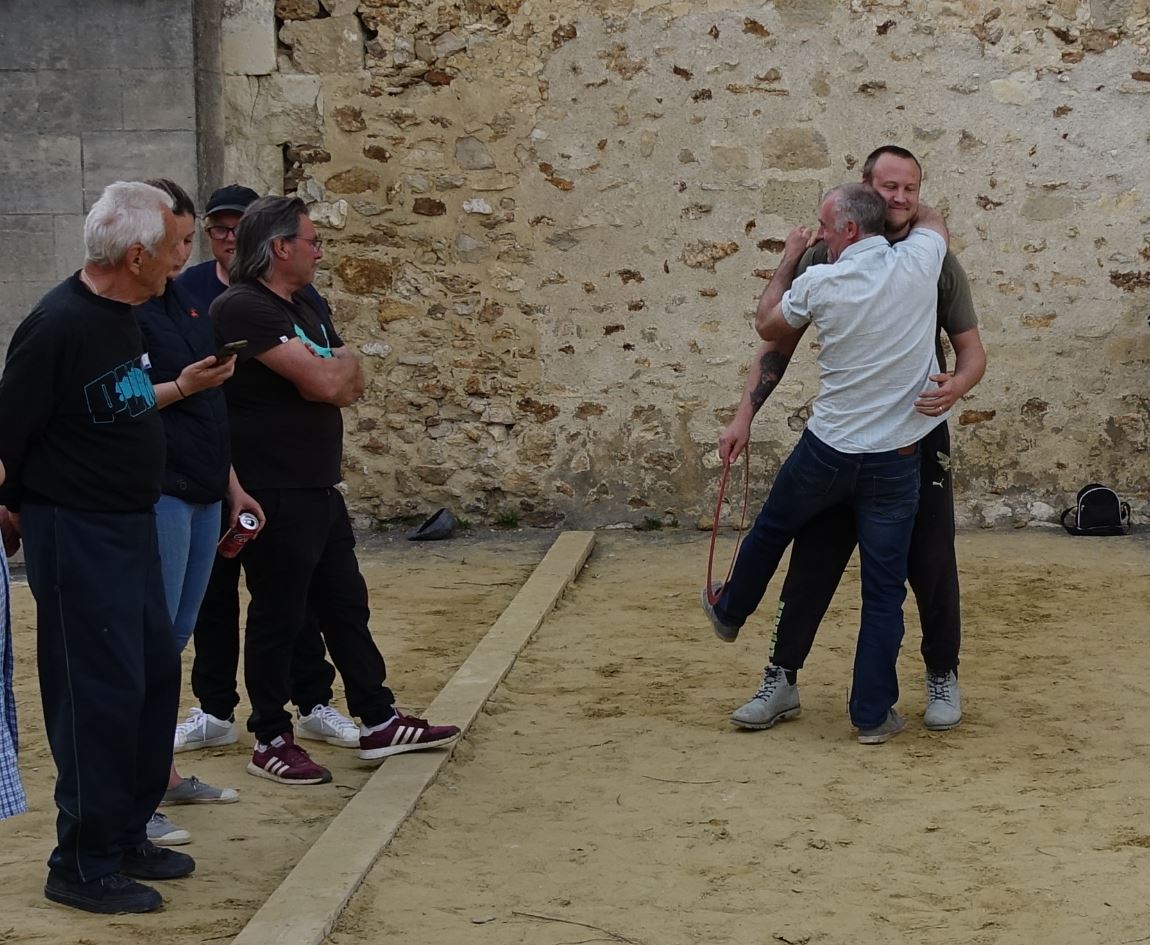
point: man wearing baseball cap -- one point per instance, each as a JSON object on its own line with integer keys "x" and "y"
{"x": 222, "y": 215}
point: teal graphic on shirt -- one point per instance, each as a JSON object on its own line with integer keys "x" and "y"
{"x": 322, "y": 351}
{"x": 126, "y": 389}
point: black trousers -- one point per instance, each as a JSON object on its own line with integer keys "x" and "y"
{"x": 109, "y": 678}
{"x": 216, "y": 641}
{"x": 821, "y": 551}
{"x": 306, "y": 556}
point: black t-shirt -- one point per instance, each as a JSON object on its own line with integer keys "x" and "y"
{"x": 279, "y": 440}
{"x": 78, "y": 421}
{"x": 176, "y": 333}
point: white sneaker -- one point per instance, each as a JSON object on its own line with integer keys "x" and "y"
{"x": 326, "y": 724}
{"x": 775, "y": 701}
{"x": 203, "y": 730}
{"x": 943, "y": 702}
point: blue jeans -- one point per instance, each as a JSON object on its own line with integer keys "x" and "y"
{"x": 882, "y": 489}
{"x": 187, "y": 535}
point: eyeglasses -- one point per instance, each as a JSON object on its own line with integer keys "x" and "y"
{"x": 221, "y": 232}
{"x": 314, "y": 240}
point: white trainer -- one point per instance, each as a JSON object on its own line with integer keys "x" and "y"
{"x": 203, "y": 730}
{"x": 326, "y": 724}
{"x": 943, "y": 702}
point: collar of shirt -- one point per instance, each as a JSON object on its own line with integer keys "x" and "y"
{"x": 865, "y": 245}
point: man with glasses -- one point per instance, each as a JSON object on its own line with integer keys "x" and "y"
{"x": 284, "y": 404}
{"x": 217, "y": 634}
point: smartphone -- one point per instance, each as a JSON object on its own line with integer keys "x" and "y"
{"x": 229, "y": 350}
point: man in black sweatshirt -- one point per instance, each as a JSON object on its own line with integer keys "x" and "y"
{"x": 83, "y": 443}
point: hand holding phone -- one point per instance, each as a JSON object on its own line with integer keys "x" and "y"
{"x": 230, "y": 350}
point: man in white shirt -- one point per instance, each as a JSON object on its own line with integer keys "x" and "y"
{"x": 873, "y": 310}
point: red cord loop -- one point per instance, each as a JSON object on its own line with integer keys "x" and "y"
{"x": 712, "y": 595}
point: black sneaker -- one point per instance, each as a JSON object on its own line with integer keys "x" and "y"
{"x": 109, "y": 895}
{"x": 148, "y": 861}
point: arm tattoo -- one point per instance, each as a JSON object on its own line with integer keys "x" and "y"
{"x": 771, "y": 368}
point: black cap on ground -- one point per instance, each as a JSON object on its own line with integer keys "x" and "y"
{"x": 234, "y": 197}
{"x": 440, "y": 525}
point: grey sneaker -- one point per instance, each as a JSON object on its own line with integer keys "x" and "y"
{"x": 164, "y": 833}
{"x": 775, "y": 701}
{"x": 191, "y": 790}
{"x": 724, "y": 632}
{"x": 203, "y": 730}
{"x": 943, "y": 701}
{"x": 884, "y": 731}
{"x": 326, "y": 724}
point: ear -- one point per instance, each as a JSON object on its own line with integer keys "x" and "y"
{"x": 135, "y": 257}
{"x": 280, "y": 248}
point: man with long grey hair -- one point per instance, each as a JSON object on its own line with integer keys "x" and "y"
{"x": 84, "y": 447}
{"x": 284, "y": 400}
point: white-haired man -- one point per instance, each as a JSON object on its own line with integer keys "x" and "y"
{"x": 84, "y": 447}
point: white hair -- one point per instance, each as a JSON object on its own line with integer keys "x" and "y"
{"x": 127, "y": 213}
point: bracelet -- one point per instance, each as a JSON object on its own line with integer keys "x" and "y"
{"x": 183, "y": 396}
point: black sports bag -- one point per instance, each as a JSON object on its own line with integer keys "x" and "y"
{"x": 1099, "y": 511}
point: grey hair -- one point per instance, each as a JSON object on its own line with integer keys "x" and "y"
{"x": 265, "y": 221}
{"x": 860, "y": 203}
{"x": 128, "y": 213}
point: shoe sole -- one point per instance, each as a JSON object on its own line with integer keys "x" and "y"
{"x": 198, "y": 800}
{"x": 760, "y": 726}
{"x": 181, "y": 837}
{"x": 371, "y": 754}
{"x": 152, "y": 877}
{"x": 880, "y": 739}
{"x": 941, "y": 728}
{"x": 207, "y": 743}
{"x": 268, "y": 776}
{"x": 330, "y": 739}
{"x": 103, "y": 908}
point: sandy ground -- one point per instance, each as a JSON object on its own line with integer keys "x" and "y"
{"x": 431, "y": 604}
{"x": 604, "y": 797}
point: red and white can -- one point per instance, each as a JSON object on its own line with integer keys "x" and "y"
{"x": 237, "y": 536}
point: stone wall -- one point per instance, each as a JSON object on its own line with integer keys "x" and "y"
{"x": 89, "y": 93}
{"x": 548, "y": 224}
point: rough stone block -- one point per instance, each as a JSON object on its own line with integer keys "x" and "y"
{"x": 135, "y": 155}
{"x": 287, "y": 108}
{"x": 472, "y": 155}
{"x": 248, "y": 44}
{"x": 792, "y": 200}
{"x": 159, "y": 98}
{"x": 40, "y": 174}
{"x": 68, "y": 230}
{"x": 1109, "y": 14}
{"x": 255, "y": 165}
{"x": 332, "y": 44}
{"x": 796, "y": 149}
{"x": 27, "y": 248}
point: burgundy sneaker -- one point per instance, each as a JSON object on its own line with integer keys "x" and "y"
{"x": 284, "y": 761}
{"x": 405, "y": 733}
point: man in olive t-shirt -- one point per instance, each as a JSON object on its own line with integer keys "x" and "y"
{"x": 820, "y": 553}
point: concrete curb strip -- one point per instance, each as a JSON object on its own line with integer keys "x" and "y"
{"x": 306, "y": 905}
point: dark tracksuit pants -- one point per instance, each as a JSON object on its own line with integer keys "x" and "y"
{"x": 216, "y": 641}
{"x": 305, "y": 559}
{"x": 109, "y": 678}
{"x": 821, "y": 551}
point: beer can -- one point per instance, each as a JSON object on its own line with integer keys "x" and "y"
{"x": 236, "y": 537}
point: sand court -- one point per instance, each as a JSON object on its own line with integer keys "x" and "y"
{"x": 601, "y": 794}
